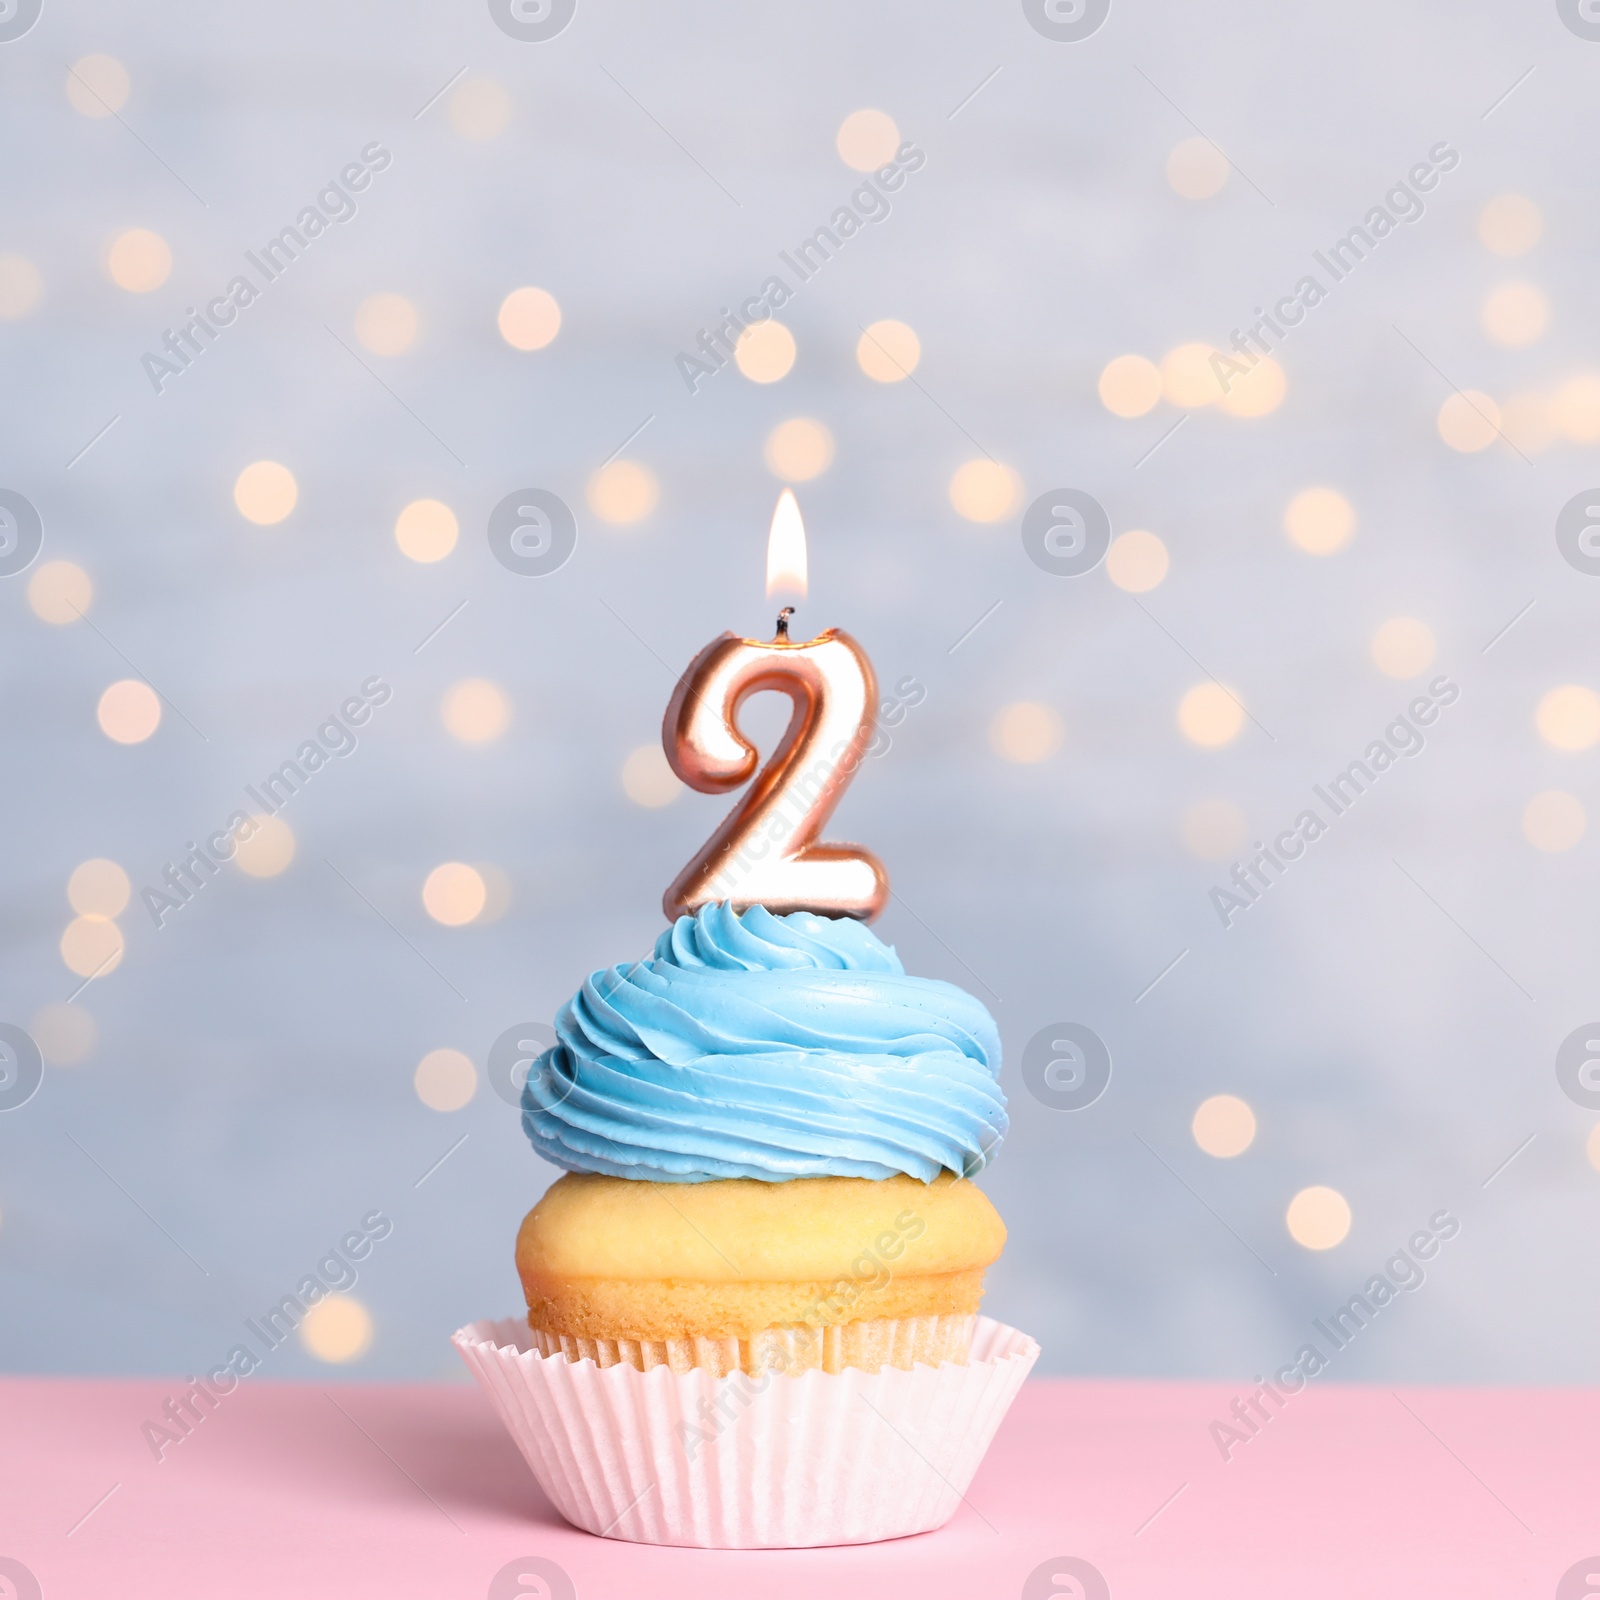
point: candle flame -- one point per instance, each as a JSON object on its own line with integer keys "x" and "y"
{"x": 786, "y": 549}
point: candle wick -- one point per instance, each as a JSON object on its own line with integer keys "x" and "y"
{"x": 783, "y": 621}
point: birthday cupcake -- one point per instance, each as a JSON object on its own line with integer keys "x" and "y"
{"x": 753, "y": 1302}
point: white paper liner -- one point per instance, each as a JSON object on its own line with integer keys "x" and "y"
{"x": 663, "y": 1457}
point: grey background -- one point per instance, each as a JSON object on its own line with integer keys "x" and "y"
{"x": 251, "y": 1092}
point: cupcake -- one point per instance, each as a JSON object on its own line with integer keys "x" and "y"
{"x": 766, "y": 1243}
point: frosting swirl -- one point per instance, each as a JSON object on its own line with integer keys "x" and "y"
{"x": 760, "y": 1046}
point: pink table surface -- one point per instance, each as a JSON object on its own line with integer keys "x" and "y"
{"x": 394, "y": 1491}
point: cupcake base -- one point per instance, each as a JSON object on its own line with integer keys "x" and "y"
{"x": 747, "y": 1461}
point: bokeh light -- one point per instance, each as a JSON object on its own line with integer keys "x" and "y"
{"x": 647, "y": 780}
{"x": 984, "y": 491}
{"x": 1188, "y": 378}
{"x": 65, "y": 1034}
{"x": 1592, "y": 1147}
{"x": 1554, "y": 821}
{"x": 529, "y": 318}
{"x": 1137, "y": 561}
{"x": 867, "y": 139}
{"x": 1318, "y": 1217}
{"x": 1213, "y": 829}
{"x": 1026, "y": 732}
{"x": 1320, "y": 521}
{"x": 454, "y": 894}
{"x": 888, "y": 351}
{"x": 445, "y": 1080}
{"x": 92, "y": 946}
{"x": 1569, "y": 717}
{"x": 765, "y": 351}
{"x": 98, "y": 888}
{"x": 799, "y": 449}
{"x": 337, "y": 1329}
{"x": 1130, "y": 385}
{"x": 1469, "y": 421}
{"x": 623, "y": 491}
{"x": 1224, "y": 1126}
{"x": 138, "y": 261}
{"x": 426, "y": 530}
{"x": 1403, "y": 647}
{"x": 129, "y": 711}
{"x": 1575, "y": 409}
{"x": 475, "y": 710}
{"x": 1256, "y": 392}
{"x": 1196, "y": 169}
{"x": 1510, "y": 225}
{"x": 1210, "y": 716}
{"x": 1515, "y": 315}
{"x": 20, "y": 286}
{"x": 480, "y": 109}
{"x": 269, "y": 849}
{"x": 386, "y": 324}
{"x": 265, "y": 492}
{"x": 97, "y": 86}
{"x": 59, "y": 592}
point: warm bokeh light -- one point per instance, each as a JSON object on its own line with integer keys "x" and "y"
{"x": 799, "y": 449}
{"x": 1213, "y": 829}
{"x": 98, "y": 888}
{"x": 1224, "y": 1126}
{"x": 1526, "y": 422}
{"x": 65, "y": 1034}
{"x": 92, "y": 946}
{"x": 426, "y": 530}
{"x": 1256, "y": 392}
{"x": 1592, "y": 1147}
{"x": 765, "y": 351}
{"x": 138, "y": 261}
{"x": 1318, "y": 1217}
{"x": 1320, "y": 521}
{"x": 1210, "y": 716}
{"x": 97, "y": 86}
{"x": 129, "y": 711}
{"x": 445, "y": 1080}
{"x": 623, "y": 492}
{"x": 1510, "y": 225}
{"x": 1569, "y": 717}
{"x": 269, "y": 849}
{"x": 454, "y": 894}
{"x": 888, "y": 351}
{"x": 386, "y": 324}
{"x": 1187, "y": 377}
{"x": 984, "y": 491}
{"x": 1137, "y": 561}
{"x": 1515, "y": 314}
{"x": 1026, "y": 732}
{"x": 1196, "y": 169}
{"x": 475, "y": 710}
{"x": 1469, "y": 421}
{"x": 867, "y": 139}
{"x": 1575, "y": 409}
{"x": 20, "y": 286}
{"x": 1554, "y": 821}
{"x": 337, "y": 1329}
{"x": 480, "y": 109}
{"x": 265, "y": 492}
{"x": 59, "y": 592}
{"x": 529, "y": 318}
{"x": 1130, "y": 385}
{"x": 647, "y": 780}
{"x": 1403, "y": 647}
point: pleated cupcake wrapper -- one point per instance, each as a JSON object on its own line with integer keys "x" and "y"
{"x": 740, "y": 1462}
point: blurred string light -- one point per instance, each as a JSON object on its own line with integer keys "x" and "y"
{"x": 59, "y": 592}
{"x": 1554, "y": 821}
{"x": 426, "y": 530}
{"x": 1403, "y": 647}
{"x": 1592, "y": 1147}
{"x": 92, "y": 946}
{"x": 1575, "y": 409}
{"x": 1187, "y": 378}
{"x": 888, "y": 351}
{"x": 138, "y": 260}
{"x": 269, "y": 849}
{"x": 1213, "y": 829}
{"x": 1255, "y": 393}
{"x": 647, "y": 780}
{"x": 1137, "y": 561}
{"x": 480, "y": 109}
{"x": 529, "y": 318}
{"x": 867, "y": 139}
{"x": 65, "y": 1033}
{"x": 984, "y": 491}
{"x": 1469, "y": 421}
{"x": 475, "y": 711}
{"x": 445, "y": 1080}
{"x": 265, "y": 492}
{"x": 1210, "y": 716}
{"x": 1510, "y": 225}
{"x": 386, "y": 324}
{"x": 337, "y": 1329}
{"x": 1026, "y": 732}
{"x": 798, "y": 450}
{"x": 1224, "y": 1126}
{"x": 1515, "y": 315}
{"x": 454, "y": 893}
{"x": 623, "y": 491}
{"x": 1569, "y": 717}
{"x": 97, "y": 86}
{"x": 129, "y": 711}
{"x": 1319, "y": 521}
{"x": 1196, "y": 169}
{"x": 765, "y": 351}
{"x": 1318, "y": 1218}
{"x": 98, "y": 888}
{"x": 1130, "y": 385}
{"x": 20, "y": 286}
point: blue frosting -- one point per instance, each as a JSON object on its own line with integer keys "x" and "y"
{"x": 758, "y": 1046}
